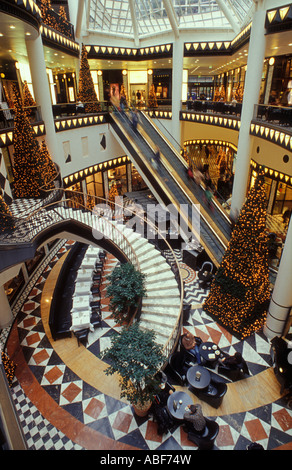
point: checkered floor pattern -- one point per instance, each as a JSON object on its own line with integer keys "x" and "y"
{"x": 270, "y": 425}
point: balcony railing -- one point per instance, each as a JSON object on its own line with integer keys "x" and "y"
{"x": 217, "y": 107}
{"x": 7, "y": 116}
{"x": 56, "y": 21}
{"x": 276, "y": 115}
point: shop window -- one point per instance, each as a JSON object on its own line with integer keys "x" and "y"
{"x": 118, "y": 176}
{"x": 283, "y": 198}
{"x": 137, "y": 181}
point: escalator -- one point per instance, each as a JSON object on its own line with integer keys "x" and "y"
{"x": 169, "y": 182}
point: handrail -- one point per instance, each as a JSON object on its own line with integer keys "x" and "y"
{"x": 173, "y": 338}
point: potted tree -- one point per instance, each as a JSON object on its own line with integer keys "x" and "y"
{"x": 136, "y": 358}
{"x": 126, "y": 288}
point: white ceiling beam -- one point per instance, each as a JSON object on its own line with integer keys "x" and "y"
{"x": 228, "y": 13}
{"x": 134, "y": 22}
{"x": 168, "y": 5}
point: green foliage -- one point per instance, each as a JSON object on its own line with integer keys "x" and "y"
{"x": 126, "y": 287}
{"x": 137, "y": 358}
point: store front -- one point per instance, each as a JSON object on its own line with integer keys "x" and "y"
{"x": 105, "y": 181}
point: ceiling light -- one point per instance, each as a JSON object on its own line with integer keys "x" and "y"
{"x": 27, "y": 34}
{"x": 12, "y": 26}
{"x": 1, "y": 34}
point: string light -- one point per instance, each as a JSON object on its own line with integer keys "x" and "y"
{"x": 86, "y": 93}
{"x": 32, "y": 169}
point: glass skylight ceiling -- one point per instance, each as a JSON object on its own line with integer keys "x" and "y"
{"x": 142, "y": 18}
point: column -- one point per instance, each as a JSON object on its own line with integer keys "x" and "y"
{"x": 42, "y": 94}
{"x": 79, "y": 18}
{"x": 252, "y": 85}
{"x": 281, "y": 301}
{"x": 6, "y": 316}
{"x": 177, "y": 81}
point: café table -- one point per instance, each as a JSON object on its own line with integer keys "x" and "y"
{"x": 209, "y": 351}
{"x": 177, "y": 403}
{"x": 198, "y": 377}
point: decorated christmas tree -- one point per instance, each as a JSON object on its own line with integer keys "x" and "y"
{"x": 240, "y": 293}
{"x": 239, "y": 93}
{"x": 216, "y": 94}
{"x": 28, "y": 100}
{"x": 113, "y": 192}
{"x": 49, "y": 169}
{"x": 6, "y": 219}
{"x": 86, "y": 92}
{"x": 29, "y": 170}
{"x": 152, "y": 101}
{"x": 222, "y": 94}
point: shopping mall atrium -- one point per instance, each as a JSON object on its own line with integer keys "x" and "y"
{"x": 145, "y": 233}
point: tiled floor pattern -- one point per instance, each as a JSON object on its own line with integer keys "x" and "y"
{"x": 270, "y": 425}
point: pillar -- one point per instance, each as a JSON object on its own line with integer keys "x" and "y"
{"x": 79, "y": 18}
{"x": 42, "y": 94}
{"x": 281, "y": 301}
{"x": 6, "y": 316}
{"x": 177, "y": 81}
{"x": 256, "y": 55}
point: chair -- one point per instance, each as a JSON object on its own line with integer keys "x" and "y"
{"x": 82, "y": 336}
{"x": 205, "y": 274}
{"x": 94, "y": 304}
{"x": 232, "y": 374}
{"x": 206, "y": 439}
{"x": 95, "y": 318}
{"x": 179, "y": 366}
{"x": 95, "y": 290}
{"x": 213, "y": 395}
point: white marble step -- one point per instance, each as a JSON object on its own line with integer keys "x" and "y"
{"x": 159, "y": 294}
{"x": 149, "y": 319}
{"x": 162, "y": 301}
{"x": 162, "y": 333}
{"x": 157, "y": 270}
{"x": 160, "y": 309}
{"x": 163, "y": 277}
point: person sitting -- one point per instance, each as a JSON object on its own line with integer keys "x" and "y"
{"x": 194, "y": 415}
{"x": 190, "y": 343}
{"x": 234, "y": 362}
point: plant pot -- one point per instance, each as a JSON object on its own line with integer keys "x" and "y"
{"x": 142, "y": 410}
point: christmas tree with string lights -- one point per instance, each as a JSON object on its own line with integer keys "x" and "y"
{"x": 49, "y": 169}
{"x": 6, "y": 219}
{"x": 152, "y": 101}
{"x": 27, "y": 98}
{"x": 86, "y": 91}
{"x": 30, "y": 168}
{"x": 240, "y": 292}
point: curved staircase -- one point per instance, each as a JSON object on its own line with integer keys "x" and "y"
{"x": 161, "y": 305}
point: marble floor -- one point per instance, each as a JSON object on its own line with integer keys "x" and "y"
{"x": 59, "y": 410}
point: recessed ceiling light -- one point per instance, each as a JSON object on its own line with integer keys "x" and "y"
{"x": 12, "y": 26}
{"x": 1, "y": 34}
{"x": 27, "y": 34}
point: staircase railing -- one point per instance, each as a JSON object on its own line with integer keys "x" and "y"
{"x": 25, "y": 229}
